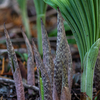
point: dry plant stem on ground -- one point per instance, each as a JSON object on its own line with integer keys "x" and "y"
{"x": 15, "y": 68}
{"x": 30, "y": 63}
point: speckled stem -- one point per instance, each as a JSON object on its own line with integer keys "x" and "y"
{"x": 30, "y": 63}
{"x": 47, "y": 57}
{"x": 15, "y": 68}
{"x": 45, "y": 78}
{"x": 62, "y": 55}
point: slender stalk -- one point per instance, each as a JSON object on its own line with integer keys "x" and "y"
{"x": 26, "y": 25}
{"x": 23, "y": 8}
{"x": 39, "y": 35}
{"x": 40, "y": 7}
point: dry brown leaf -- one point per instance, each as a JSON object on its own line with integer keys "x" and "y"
{"x": 22, "y": 69}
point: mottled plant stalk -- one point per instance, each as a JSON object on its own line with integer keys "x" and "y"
{"x": 97, "y": 75}
{"x": 47, "y": 57}
{"x": 62, "y": 55}
{"x": 30, "y": 63}
{"x": 15, "y": 67}
{"x": 45, "y": 78}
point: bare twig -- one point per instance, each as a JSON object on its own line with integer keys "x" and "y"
{"x": 2, "y": 80}
{"x": 21, "y": 50}
{"x": 9, "y": 25}
{"x": 76, "y": 95}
